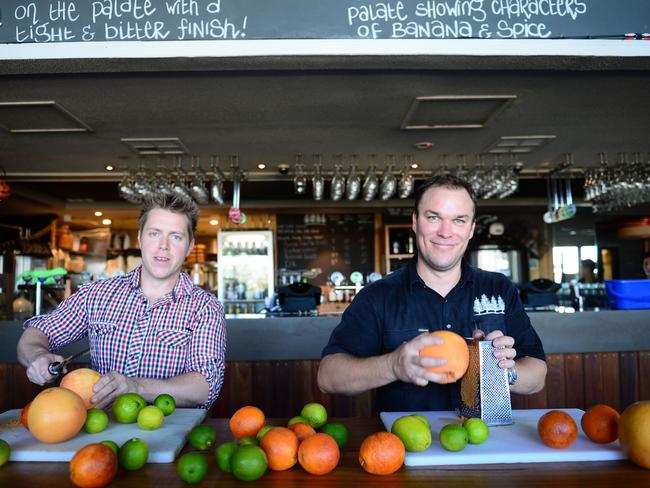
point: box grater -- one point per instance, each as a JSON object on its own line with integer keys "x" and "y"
{"x": 484, "y": 389}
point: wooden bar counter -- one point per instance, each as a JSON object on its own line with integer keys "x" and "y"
{"x": 350, "y": 473}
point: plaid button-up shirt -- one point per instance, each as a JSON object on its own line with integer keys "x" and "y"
{"x": 182, "y": 331}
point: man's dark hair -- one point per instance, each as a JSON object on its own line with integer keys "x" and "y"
{"x": 589, "y": 264}
{"x": 444, "y": 181}
{"x": 174, "y": 203}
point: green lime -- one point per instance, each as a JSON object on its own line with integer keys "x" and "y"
{"x": 248, "y": 441}
{"x": 96, "y": 420}
{"x": 127, "y": 406}
{"x": 315, "y": 414}
{"x": 192, "y": 467}
{"x": 133, "y": 454}
{"x": 296, "y": 420}
{"x": 477, "y": 430}
{"x": 248, "y": 463}
{"x": 166, "y": 403}
{"x": 5, "y": 452}
{"x": 338, "y": 432}
{"x": 150, "y": 418}
{"x": 223, "y": 455}
{"x": 263, "y": 431}
{"x": 414, "y": 434}
{"x": 202, "y": 437}
{"x": 453, "y": 437}
{"x": 112, "y": 445}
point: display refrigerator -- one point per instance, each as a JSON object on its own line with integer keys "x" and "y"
{"x": 246, "y": 270}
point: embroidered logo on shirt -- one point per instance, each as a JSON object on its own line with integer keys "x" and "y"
{"x": 492, "y": 305}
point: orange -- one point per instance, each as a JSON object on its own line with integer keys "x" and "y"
{"x": 81, "y": 381}
{"x": 319, "y": 454}
{"x": 454, "y": 349}
{"x": 281, "y": 447}
{"x": 302, "y": 430}
{"x": 557, "y": 429}
{"x": 23, "y": 416}
{"x": 56, "y": 415}
{"x": 381, "y": 453}
{"x": 634, "y": 433}
{"x": 93, "y": 466}
{"x": 600, "y": 423}
{"x": 247, "y": 421}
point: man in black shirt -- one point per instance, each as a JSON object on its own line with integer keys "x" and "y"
{"x": 377, "y": 343}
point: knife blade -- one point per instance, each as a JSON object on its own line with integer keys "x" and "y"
{"x": 56, "y": 367}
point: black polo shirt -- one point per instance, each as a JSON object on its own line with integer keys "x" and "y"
{"x": 399, "y": 307}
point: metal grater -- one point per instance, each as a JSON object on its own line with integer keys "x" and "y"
{"x": 484, "y": 389}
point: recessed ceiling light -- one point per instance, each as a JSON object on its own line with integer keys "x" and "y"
{"x": 107, "y": 221}
{"x": 415, "y": 165}
{"x": 423, "y": 145}
{"x": 99, "y": 213}
{"x": 261, "y": 165}
{"x": 109, "y": 167}
{"x": 214, "y": 222}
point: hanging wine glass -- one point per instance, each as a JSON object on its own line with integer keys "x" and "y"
{"x": 406, "y": 181}
{"x": 178, "y": 180}
{"x": 126, "y": 187}
{"x": 317, "y": 180}
{"x": 354, "y": 180}
{"x": 299, "y": 180}
{"x": 142, "y": 186}
{"x": 338, "y": 182}
{"x": 371, "y": 183}
{"x": 197, "y": 185}
{"x": 388, "y": 181}
{"x": 216, "y": 186}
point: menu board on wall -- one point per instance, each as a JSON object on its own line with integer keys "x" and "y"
{"x": 319, "y": 244}
{"x": 42, "y": 21}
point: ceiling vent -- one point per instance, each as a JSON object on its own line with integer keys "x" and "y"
{"x": 455, "y": 111}
{"x": 519, "y": 144}
{"x": 39, "y": 117}
{"x": 156, "y": 146}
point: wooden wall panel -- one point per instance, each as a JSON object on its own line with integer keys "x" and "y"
{"x": 282, "y": 387}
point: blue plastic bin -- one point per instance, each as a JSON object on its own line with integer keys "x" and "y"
{"x": 628, "y": 294}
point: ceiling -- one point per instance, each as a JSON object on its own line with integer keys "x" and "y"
{"x": 268, "y": 110}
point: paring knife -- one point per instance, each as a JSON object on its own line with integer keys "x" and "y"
{"x": 56, "y": 367}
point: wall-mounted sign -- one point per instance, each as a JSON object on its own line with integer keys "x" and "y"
{"x": 46, "y": 21}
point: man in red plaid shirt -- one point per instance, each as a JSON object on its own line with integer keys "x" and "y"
{"x": 151, "y": 331}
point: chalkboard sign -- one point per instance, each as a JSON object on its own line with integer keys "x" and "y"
{"x": 316, "y": 245}
{"x": 41, "y": 21}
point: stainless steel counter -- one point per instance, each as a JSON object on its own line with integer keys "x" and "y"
{"x": 304, "y": 337}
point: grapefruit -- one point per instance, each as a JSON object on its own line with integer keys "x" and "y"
{"x": 634, "y": 433}
{"x": 56, "y": 415}
{"x": 81, "y": 381}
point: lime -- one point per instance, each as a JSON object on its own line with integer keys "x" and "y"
{"x": 296, "y": 420}
{"x": 263, "y": 431}
{"x": 112, "y": 445}
{"x": 338, "y": 432}
{"x": 477, "y": 430}
{"x": 166, "y": 403}
{"x": 150, "y": 418}
{"x": 133, "y": 454}
{"x": 223, "y": 454}
{"x": 96, "y": 420}
{"x": 127, "y": 406}
{"x": 248, "y": 441}
{"x": 248, "y": 463}
{"x": 414, "y": 434}
{"x": 192, "y": 467}
{"x": 315, "y": 414}
{"x": 5, "y": 452}
{"x": 202, "y": 437}
{"x": 453, "y": 437}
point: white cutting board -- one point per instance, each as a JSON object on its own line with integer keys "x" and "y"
{"x": 164, "y": 443}
{"x": 516, "y": 443}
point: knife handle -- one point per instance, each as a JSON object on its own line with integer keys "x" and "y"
{"x": 53, "y": 368}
